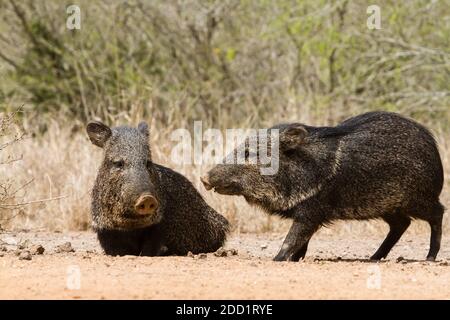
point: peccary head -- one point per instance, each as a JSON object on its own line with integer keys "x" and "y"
{"x": 303, "y": 163}
{"x": 125, "y": 193}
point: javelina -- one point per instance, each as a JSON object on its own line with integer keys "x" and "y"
{"x": 376, "y": 165}
{"x": 142, "y": 208}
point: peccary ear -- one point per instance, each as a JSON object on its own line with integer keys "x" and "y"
{"x": 143, "y": 128}
{"x": 293, "y": 136}
{"x": 98, "y": 132}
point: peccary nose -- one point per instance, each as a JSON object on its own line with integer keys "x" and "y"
{"x": 146, "y": 204}
{"x": 206, "y": 182}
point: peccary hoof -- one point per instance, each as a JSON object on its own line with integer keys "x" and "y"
{"x": 280, "y": 257}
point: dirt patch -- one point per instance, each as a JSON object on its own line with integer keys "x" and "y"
{"x": 335, "y": 268}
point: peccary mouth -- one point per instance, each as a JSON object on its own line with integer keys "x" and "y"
{"x": 230, "y": 189}
{"x": 135, "y": 216}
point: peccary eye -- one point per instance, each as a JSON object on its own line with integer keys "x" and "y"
{"x": 247, "y": 154}
{"x": 119, "y": 164}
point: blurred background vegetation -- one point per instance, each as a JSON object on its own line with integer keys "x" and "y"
{"x": 230, "y": 63}
{"x": 225, "y": 61}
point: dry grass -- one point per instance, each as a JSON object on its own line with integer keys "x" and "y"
{"x": 64, "y": 163}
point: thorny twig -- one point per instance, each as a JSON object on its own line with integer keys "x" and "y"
{"x": 8, "y": 206}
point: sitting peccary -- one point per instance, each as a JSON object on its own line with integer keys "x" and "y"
{"x": 376, "y": 165}
{"x": 141, "y": 208}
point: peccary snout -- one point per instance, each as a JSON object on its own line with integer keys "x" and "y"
{"x": 225, "y": 179}
{"x": 138, "y": 195}
{"x": 146, "y": 204}
{"x": 206, "y": 183}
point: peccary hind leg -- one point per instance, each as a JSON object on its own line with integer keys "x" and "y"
{"x": 398, "y": 224}
{"x": 296, "y": 243}
{"x": 436, "y": 233}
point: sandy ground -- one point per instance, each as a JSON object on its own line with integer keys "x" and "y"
{"x": 335, "y": 268}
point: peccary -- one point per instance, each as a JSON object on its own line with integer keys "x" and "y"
{"x": 142, "y": 208}
{"x": 375, "y": 165}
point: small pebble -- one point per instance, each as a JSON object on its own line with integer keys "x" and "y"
{"x": 221, "y": 252}
{"x": 24, "y": 244}
{"x": 25, "y": 255}
{"x": 37, "y": 249}
{"x": 65, "y": 247}
{"x": 202, "y": 256}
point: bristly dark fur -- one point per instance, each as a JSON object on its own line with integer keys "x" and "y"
{"x": 376, "y": 165}
{"x": 184, "y": 222}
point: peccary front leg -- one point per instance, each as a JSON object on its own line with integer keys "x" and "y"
{"x": 300, "y": 254}
{"x": 153, "y": 244}
{"x": 154, "y": 250}
{"x": 296, "y": 243}
{"x": 119, "y": 243}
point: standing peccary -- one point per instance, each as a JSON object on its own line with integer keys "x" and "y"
{"x": 376, "y": 165}
{"x": 141, "y": 208}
